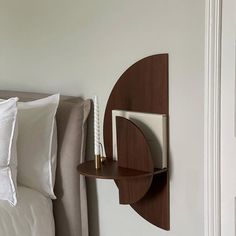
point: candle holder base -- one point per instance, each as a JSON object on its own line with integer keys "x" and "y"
{"x": 102, "y": 159}
{"x": 97, "y": 162}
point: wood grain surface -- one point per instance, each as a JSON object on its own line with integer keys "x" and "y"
{"x": 143, "y": 87}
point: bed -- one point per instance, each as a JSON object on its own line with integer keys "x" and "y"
{"x": 69, "y": 210}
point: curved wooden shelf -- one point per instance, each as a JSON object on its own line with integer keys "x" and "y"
{"x": 111, "y": 170}
{"x": 143, "y": 87}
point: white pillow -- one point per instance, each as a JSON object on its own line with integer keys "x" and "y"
{"x": 8, "y": 156}
{"x": 36, "y": 145}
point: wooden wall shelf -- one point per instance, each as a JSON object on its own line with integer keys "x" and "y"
{"x": 142, "y": 88}
{"x": 111, "y": 170}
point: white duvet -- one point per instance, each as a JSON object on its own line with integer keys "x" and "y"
{"x": 32, "y": 216}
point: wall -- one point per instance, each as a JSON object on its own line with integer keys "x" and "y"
{"x": 81, "y": 47}
{"x": 228, "y": 120}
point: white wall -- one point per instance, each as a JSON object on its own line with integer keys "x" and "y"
{"x": 228, "y": 120}
{"x": 81, "y": 47}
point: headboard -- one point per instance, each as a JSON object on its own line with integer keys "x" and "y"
{"x": 70, "y": 207}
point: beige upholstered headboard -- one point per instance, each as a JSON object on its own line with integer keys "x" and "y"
{"x": 70, "y": 208}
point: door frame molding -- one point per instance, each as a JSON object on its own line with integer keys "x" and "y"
{"x": 212, "y": 206}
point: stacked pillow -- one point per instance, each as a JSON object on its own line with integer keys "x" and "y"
{"x": 8, "y": 160}
{"x": 28, "y": 137}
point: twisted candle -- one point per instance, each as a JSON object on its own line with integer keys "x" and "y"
{"x": 96, "y": 127}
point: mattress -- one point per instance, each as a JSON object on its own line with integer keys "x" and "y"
{"x": 32, "y": 216}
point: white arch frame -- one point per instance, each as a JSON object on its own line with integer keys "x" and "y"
{"x": 212, "y": 206}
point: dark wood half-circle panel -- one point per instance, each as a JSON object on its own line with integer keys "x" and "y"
{"x": 133, "y": 153}
{"x": 143, "y": 87}
{"x": 132, "y": 148}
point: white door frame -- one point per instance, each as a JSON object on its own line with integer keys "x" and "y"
{"x": 212, "y": 206}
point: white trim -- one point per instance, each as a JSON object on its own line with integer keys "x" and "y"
{"x": 212, "y": 216}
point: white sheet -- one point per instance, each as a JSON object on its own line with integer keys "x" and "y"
{"x": 32, "y": 216}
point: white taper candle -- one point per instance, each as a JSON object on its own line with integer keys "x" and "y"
{"x": 96, "y": 127}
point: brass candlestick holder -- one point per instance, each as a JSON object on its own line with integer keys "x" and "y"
{"x": 99, "y": 159}
{"x": 98, "y": 162}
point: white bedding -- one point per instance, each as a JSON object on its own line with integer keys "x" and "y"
{"x": 32, "y": 216}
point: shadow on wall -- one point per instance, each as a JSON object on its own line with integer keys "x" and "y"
{"x": 91, "y": 184}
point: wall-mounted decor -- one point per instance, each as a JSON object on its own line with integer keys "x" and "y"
{"x": 136, "y": 140}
